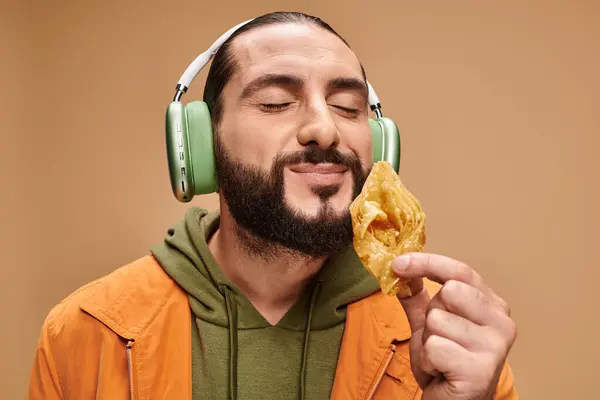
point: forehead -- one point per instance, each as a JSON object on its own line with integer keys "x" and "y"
{"x": 302, "y": 49}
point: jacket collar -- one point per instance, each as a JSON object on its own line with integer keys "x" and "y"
{"x": 391, "y": 319}
{"x": 128, "y": 300}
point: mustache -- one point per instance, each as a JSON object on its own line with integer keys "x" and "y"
{"x": 317, "y": 155}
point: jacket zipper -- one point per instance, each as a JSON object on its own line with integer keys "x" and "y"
{"x": 129, "y": 347}
{"x": 381, "y": 371}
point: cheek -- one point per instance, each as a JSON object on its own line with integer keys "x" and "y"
{"x": 361, "y": 143}
{"x": 367, "y": 147}
{"x": 252, "y": 142}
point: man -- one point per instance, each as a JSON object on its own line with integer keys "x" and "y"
{"x": 267, "y": 299}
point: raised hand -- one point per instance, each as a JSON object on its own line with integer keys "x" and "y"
{"x": 461, "y": 336}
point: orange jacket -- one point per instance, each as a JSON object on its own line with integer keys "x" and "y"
{"x": 128, "y": 336}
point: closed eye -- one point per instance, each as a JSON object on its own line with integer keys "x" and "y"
{"x": 353, "y": 111}
{"x": 275, "y": 106}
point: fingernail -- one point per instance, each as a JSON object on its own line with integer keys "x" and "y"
{"x": 401, "y": 263}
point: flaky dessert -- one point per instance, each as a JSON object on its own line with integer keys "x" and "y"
{"x": 387, "y": 221}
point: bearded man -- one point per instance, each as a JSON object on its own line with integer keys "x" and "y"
{"x": 266, "y": 298}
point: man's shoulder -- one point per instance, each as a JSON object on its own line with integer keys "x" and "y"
{"x": 134, "y": 300}
{"x": 110, "y": 294}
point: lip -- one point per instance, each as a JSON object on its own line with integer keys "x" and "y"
{"x": 321, "y": 168}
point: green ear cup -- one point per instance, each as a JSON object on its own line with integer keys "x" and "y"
{"x": 386, "y": 141}
{"x": 377, "y": 131}
{"x": 201, "y": 147}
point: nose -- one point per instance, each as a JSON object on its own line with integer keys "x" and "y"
{"x": 319, "y": 129}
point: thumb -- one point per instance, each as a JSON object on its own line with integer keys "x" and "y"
{"x": 415, "y": 306}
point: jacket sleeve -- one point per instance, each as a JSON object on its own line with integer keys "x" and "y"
{"x": 506, "y": 385}
{"x": 44, "y": 382}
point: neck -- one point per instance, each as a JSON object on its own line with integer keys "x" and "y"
{"x": 272, "y": 282}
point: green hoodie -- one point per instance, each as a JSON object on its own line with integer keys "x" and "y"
{"x": 236, "y": 353}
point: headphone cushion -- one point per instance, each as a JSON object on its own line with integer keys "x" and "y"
{"x": 201, "y": 147}
{"x": 377, "y": 133}
{"x": 386, "y": 141}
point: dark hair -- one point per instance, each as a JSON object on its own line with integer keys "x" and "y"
{"x": 223, "y": 63}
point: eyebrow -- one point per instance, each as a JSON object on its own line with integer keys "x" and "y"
{"x": 270, "y": 80}
{"x": 274, "y": 79}
{"x": 346, "y": 83}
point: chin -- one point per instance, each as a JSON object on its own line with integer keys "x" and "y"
{"x": 306, "y": 207}
{"x": 317, "y": 207}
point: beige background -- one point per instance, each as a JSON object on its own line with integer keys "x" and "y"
{"x": 498, "y": 103}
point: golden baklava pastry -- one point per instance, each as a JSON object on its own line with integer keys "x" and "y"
{"x": 387, "y": 221}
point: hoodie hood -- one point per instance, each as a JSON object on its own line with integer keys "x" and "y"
{"x": 216, "y": 302}
{"x": 185, "y": 256}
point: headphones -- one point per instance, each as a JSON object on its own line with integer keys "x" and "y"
{"x": 189, "y": 134}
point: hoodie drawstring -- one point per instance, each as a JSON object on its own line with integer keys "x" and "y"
{"x": 313, "y": 300}
{"x": 231, "y": 305}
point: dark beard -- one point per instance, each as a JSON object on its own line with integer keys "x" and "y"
{"x": 266, "y": 225}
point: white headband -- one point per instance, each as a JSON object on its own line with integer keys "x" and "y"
{"x": 192, "y": 70}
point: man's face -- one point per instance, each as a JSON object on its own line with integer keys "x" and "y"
{"x": 294, "y": 135}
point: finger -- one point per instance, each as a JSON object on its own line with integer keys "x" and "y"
{"x": 457, "y": 329}
{"x": 435, "y": 303}
{"x": 440, "y": 354}
{"x": 437, "y": 268}
{"x": 422, "y": 377}
{"x": 468, "y": 302}
{"x": 416, "y": 305}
